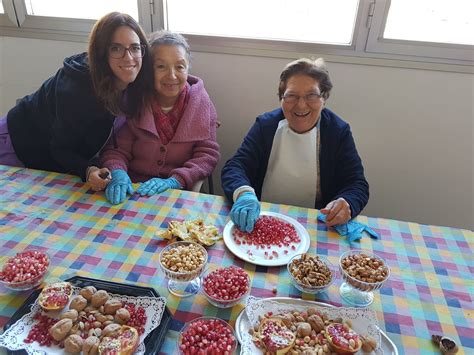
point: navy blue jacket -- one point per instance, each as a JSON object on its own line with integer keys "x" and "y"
{"x": 62, "y": 125}
{"x": 341, "y": 170}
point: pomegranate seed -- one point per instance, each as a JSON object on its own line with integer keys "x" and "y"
{"x": 226, "y": 284}
{"x": 40, "y": 330}
{"x": 269, "y": 231}
{"x": 25, "y": 268}
{"x": 207, "y": 336}
{"x": 137, "y": 317}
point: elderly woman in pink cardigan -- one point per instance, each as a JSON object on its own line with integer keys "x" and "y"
{"x": 172, "y": 145}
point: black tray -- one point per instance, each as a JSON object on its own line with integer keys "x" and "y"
{"x": 153, "y": 341}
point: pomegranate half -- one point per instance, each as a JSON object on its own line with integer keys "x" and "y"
{"x": 342, "y": 339}
{"x": 55, "y": 296}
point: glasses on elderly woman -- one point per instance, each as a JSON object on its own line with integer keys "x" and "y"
{"x": 118, "y": 51}
{"x": 311, "y": 98}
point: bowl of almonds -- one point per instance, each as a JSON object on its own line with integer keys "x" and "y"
{"x": 311, "y": 273}
{"x": 183, "y": 263}
{"x": 363, "y": 272}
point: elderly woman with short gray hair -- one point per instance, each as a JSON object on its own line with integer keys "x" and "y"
{"x": 300, "y": 154}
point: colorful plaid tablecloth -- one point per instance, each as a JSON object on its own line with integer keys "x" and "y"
{"x": 430, "y": 290}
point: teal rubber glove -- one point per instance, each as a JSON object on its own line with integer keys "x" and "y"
{"x": 117, "y": 189}
{"x": 157, "y": 186}
{"x": 245, "y": 211}
{"x": 352, "y": 229}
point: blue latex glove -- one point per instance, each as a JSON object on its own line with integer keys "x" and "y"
{"x": 352, "y": 229}
{"x": 157, "y": 186}
{"x": 245, "y": 211}
{"x": 117, "y": 189}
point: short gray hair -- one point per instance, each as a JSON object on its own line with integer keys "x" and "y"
{"x": 165, "y": 37}
{"x": 315, "y": 69}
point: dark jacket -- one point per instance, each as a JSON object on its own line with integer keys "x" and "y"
{"x": 63, "y": 125}
{"x": 341, "y": 170}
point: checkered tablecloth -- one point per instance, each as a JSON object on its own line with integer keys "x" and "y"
{"x": 430, "y": 289}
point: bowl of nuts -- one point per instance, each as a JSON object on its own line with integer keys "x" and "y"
{"x": 207, "y": 335}
{"x": 25, "y": 270}
{"x": 363, "y": 272}
{"x": 311, "y": 273}
{"x": 226, "y": 287}
{"x": 183, "y": 263}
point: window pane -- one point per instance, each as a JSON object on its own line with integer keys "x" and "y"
{"x": 83, "y": 9}
{"x": 319, "y": 21}
{"x": 431, "y": 21}
{"x": 1, "y": 8}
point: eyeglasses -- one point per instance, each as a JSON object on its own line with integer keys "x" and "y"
{"x": 311, "y": 98}
{"x": 118, "y": 52}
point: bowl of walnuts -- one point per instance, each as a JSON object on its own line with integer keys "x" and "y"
{"x": 311, "y": 273}
{"x": 362, "y": 272}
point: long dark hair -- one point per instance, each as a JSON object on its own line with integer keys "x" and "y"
{"x": 103, "y": 79}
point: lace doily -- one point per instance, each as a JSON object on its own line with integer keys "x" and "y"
{"x": 13, "y": 338}
{"x": 364, "y": 320}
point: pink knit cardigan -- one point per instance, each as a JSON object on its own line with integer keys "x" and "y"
{"x": 190, "y": 156}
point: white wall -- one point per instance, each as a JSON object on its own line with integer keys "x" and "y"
{"x": 413, "y": 128}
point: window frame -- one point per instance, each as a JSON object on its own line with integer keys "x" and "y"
{"x": 6, "y": 19}
{"x": 367, "y": 47}
{"x": 445, "y": 52}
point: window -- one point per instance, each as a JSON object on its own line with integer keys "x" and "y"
{"x": 69, "y": 20}
{"x": 443, "y": 21}
{"x": 432, "y": 29}
{"x": 84, "y": 9}
{"x": 283, "y": 20}
{"x": 2, "y": 11}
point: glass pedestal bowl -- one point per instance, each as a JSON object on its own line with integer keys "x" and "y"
{"x": 183, "y": 263}
{"x": 363, "y": 273}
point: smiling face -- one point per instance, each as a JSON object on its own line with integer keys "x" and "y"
{"x": 302, "y": 116}
{"x": 127, "y": 68}
{"x": 171, "y": 67}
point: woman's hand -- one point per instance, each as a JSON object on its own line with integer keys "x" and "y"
{"x": 245, "y": 211}
{"x": 337, "y": 212}
{"x": 120, "y": 186}
{"x": 98, "y": 179}
{"x": 157, "y": 186}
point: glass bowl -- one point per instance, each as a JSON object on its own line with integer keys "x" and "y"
{"x": 303, "y": 287}
{"x": 222, "y": 275}
{"x": 38, "y": 262}
{"x": 360, "y": 281}
{"x": 182, "y": 283}
{"x": 212, "y": 329}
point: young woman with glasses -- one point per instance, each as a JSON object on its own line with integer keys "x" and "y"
{"x": 300, "y": 154}
{"x": 63, "y": 125}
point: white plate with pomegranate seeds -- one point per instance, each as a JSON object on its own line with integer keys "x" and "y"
{"x": 242, "y": 324}
{"x": 274, "y": 240}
